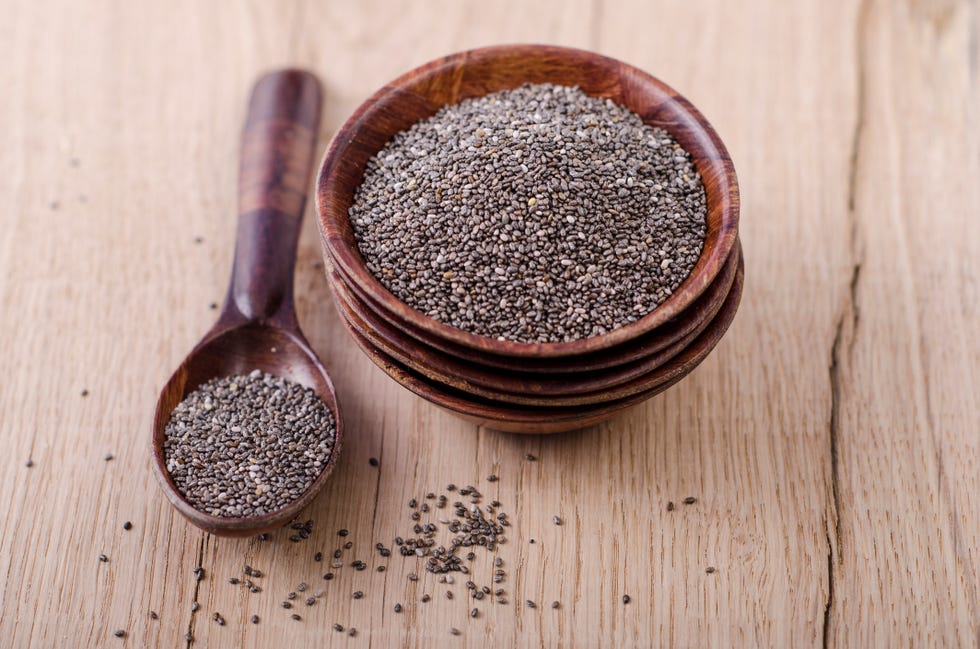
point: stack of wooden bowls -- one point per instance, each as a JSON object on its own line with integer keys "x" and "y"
{"x": 531, "y": 387}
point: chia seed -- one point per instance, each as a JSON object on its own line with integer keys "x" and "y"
{"x": 247, "y": 445}
{"x": 538, "y": 214}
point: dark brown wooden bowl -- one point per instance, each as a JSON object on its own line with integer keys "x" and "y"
{"x": 637, "y": 349}
{"x": 530, "y": 419}
{"x": 419, "y": 93}
{"x": 514, "y": 387}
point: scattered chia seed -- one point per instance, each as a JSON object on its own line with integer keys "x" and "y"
{"x": 449, "y": 594}
{"x": 328, "y": 576}
{"x": 338, "y": 628}
{"x": 398, "y": 608}
{"x": 531, "y": 458}
{"x": 492, "y": 478}
{"x": 195, "y": 606}
{"x": 555, "y": 604}
{"x": 188, "y": 637}
{"x": 119, "y": 633}
{"x": 710, "y": 570}
{"x": 538, "y": 214}
{"x": 670, "y": 505}
{"x": 127, "y": 526}
{"x": 233, "y": 581}
{"x": 531, "y": 604}
{"x": 358, "y": 594}
{"x": 454, "y": 631}
{"x": 426, "y": 598}
{"x": 247, "y": 445}
{"x": 108, "y": 457}
{"x": 474, "y": 612}
{"x": 626, "y": 599}
{"x": 302, "y": 587}
{"x": 255, "y": 619}
{"x": 310, "y": 601}
{"x": 556, "y": 520}
{"x": 103, "y": 558}
{"x": 287, "y": 605}
{"x": 373, "y": 461}
{"x": 690, "y": 500}
{"x": 85, "y": 392}
{"x": 29, "y": 463}
{"x": 154, "y": 616}
{"x": 352, "y": 632}
{"x": 296, "y": 616}
{"x": 318, "y": 557}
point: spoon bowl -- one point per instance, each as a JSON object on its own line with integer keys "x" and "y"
{"x": 257, "y": 328}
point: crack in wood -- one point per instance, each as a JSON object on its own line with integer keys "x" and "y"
{"x": 850, "y": 309}
{"x": 197, "y": 589}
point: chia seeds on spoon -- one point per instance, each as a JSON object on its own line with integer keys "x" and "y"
{"x": 538, "y": 214}
{"x": 247, "y": 445}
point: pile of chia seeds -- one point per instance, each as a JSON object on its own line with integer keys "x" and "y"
{"x": 247, "y": 445}
{"x": 538, "y": 214}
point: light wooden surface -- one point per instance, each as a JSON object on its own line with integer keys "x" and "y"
{"x": 832, "y": 439}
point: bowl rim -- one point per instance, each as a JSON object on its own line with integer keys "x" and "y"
{"x": 515, "y": 387}
{"x": 673, "y": 112}
{"x": 468, "y": 405}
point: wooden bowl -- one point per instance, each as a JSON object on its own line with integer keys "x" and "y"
{"x": 642, "y": 347}
{"x": 529, "y": 419}
{"x": 421, "y": 92}
{"x": 516, "y": 387}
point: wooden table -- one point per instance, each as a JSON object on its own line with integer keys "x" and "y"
{"x": 832, "y": 440}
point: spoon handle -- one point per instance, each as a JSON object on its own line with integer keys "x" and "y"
{"x": 276, "y": 162}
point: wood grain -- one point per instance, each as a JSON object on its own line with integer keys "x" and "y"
{"x": 831, "y": 438}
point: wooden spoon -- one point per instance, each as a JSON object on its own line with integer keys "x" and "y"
{"x": 257, "y": 328}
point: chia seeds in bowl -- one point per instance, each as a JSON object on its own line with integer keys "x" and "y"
{"x": 534, "y": 215}
{"x": 446, "y": 84}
